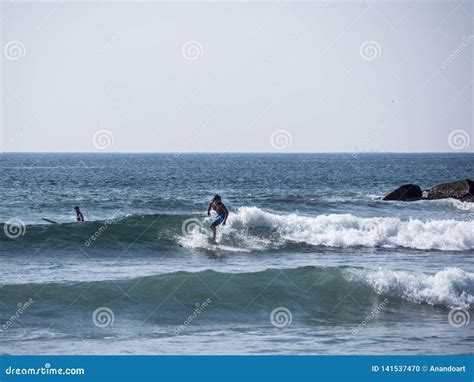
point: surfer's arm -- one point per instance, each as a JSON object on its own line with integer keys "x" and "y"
{"x": 209, "y": 209}
{"x": 226, "y": 213}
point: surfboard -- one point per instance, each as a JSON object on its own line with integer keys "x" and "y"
{"x": 215, "y": 245}
{"x": 231, "y": 249}
{"x": 49, "y": 221}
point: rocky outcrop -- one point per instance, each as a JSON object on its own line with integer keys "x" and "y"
{"x": 469, "y": 198}
{"x": 460, "y": 189}
{"x": 407, "y": 192}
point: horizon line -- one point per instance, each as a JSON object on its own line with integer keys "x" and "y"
{"x": 237, "y": 152}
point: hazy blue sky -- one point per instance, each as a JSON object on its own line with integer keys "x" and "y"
{"x": 254, "y": 76}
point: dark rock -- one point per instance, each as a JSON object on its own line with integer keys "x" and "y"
{"x": 406, "y": 193}
{"x": 460, "y": 189}
{"x": 468, "y": 198}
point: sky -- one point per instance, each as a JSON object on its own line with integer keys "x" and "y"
{"x": 110, "y": 76}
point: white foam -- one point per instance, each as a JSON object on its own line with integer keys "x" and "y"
{"x": 195, "y": 239}
{"x": 451, "y": 287}
{"x": 448, "y": 203}
{"x": 199, "y": 238}
{"x": 346, "y": 230}
{"x": 463, "y": 206}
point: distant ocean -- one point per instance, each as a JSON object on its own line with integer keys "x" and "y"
{"x": 311, "y": 261}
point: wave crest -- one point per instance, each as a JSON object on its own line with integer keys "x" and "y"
{"x": 346, "y": 230}
{"x": 314, "y": 290}
{"x": 451, "y": 287}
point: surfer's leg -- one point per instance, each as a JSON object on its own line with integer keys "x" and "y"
{"x": 218, "y": 220}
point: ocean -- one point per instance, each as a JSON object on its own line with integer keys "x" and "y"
{"x": 311, "y": 261}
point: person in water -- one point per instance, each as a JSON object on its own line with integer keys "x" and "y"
{"x": 79, "y": 215}
{"x": 222, "y": 213}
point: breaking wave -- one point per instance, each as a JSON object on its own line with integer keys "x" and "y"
{"x": 254, "y": 228}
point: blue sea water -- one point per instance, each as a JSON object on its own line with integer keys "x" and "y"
{"x": 311, "y": 261}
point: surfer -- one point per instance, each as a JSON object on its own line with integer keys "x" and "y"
{"x": 222, "y": 213}
{"x": 79, "y": 215}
